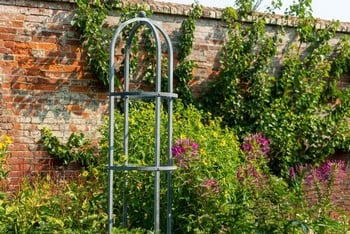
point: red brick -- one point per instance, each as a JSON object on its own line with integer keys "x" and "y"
{"x": 71, "y": 68}
{"x": 17, "y": 24}
{"x": 44, "y": 39}
{"x": 8, "y": 30}
{"x": 24, "y": 154}
{"x": 74, "y": 108}
{"x": 47, "y": 46}
{"x": 21, "y": 167}
{"x": 17, "y": 146}
{"x": 22, "y": 86}
{"x": 46, "y": 87}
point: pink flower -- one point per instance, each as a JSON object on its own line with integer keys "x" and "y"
{"x": 184, "y": 152}
{"x": 255, "y": 145}
{"x": 211, "y": 184}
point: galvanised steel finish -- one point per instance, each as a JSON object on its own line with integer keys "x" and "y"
{"x": 157, "y": 96}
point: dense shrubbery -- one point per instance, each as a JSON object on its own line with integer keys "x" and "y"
{"x": 217, "y": 158}
{"x": 220, "y": 186}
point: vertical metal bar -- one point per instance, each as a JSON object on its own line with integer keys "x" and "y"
{"x": 111, "y": 136}
{"x": 111, "y": 125}
{"x": 170, "y": 135}
{"x": 157, "y": 137}
{"x": 170, "y": 128}
{"x": 126, "y": 130}
{"x": 110, "y": 164}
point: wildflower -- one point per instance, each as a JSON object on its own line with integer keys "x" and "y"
{"x": 240, "y": 175}
{"x": 4, "y": 142}
{"x": 184, "y": 152}
{"x": 255, "y": 145}
{"x": 222, "y": 143}
{"x": 292, "y": 174}
{"x": 85, "y": 173}
{"x": 212, "y": 185}
{"x": 95, "y": 172}
{"x": 329, "y": 170}
{"x": 248, "y": 171}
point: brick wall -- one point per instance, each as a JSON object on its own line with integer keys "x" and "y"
{"x": 46, "y": 82}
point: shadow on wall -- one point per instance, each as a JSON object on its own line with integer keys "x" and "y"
{"x": 49, "y": 78}
{"x": 44, "y": 81}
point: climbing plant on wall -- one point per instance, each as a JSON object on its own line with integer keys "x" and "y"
{"x": 183, "y": 72}
{"x": 299, "y": 106}
{"x": 90, "y": 19}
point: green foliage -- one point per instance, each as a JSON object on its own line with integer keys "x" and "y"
{"x": 90, "y": 20}
{"x": 187, "y": 29}
{"x": 219, "y": 152}
{"x": 218, "y": 186}
{"x": 45, "y": 205}
{"x": 266, "y": 203}
{"x": 4, "y": 154}
{"x": 299, "y": 107}
{"x": 201, "y": 208}
{"x": 77, "y": 149}
{"x": 319, "y": 209}
{"x": 143, "y": 51}
{"x": 183, "y": 72}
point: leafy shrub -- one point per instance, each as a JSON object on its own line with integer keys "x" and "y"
{"x": 218, "y": 187}
{"x": 266, "y": 203}
{"x": 77, "y": 149}
{"x": 217, "y": 148}
{"x": 49, "y": 205}
{"x": 316, "y": 189}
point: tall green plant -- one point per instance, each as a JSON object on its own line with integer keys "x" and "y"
{"x": 299, "y": 106}
{"x": 183, "y": 72}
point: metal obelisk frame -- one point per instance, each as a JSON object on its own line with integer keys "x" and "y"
{"x": 157, "y": 96}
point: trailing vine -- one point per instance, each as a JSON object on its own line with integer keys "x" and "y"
{"x": 90, "y": 20}
{"x": 183, "y": 72}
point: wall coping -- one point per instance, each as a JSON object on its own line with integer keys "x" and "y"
{"x": 181, "y": 10}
